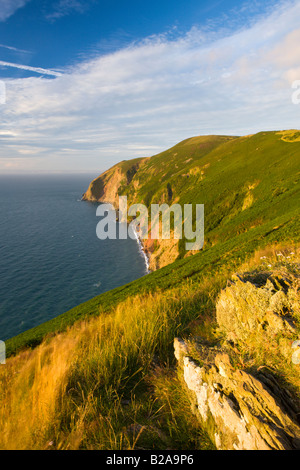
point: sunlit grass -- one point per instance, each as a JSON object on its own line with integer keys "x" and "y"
{"x": 110, "y": 382}
{"x": 32, "y": 385}
{"x": 91, "y": 386}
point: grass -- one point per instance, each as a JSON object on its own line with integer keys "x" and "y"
{"x": 110, "y": 382}
{"x": 250, "y": 188}
{"x": 102, "y": 375}
{"x": 106, "y": 383}
{"x": 224, "y": 256}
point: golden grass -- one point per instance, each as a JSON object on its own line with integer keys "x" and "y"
{"x": 110, "y": 383}
{"x": 271, "y": 254}
{"x": 290, "y": 135}
{"x": 31, "y": 386}
{"x": 68, "y": 393}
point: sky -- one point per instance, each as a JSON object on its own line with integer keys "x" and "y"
{"x": 86, "y": 84}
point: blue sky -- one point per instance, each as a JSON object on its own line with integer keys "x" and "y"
{"x": 60, "y": 32}
{"x": 90, "y": 83}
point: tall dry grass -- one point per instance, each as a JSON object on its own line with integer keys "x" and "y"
{"x": 89, "y": 387}
{"x": 32, "y": 385}
{"x": 109, "y": 382}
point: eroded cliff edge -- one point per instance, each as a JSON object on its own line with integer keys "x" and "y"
{"x": 108, "y": 186}
{"x": 244, "y": 183}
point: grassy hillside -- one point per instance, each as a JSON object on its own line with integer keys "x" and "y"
{"x": 102, "y": 375}
{"x": 243, "y": 182}
{"x": 111, "y": 382}
{"x": 250, "y": 188}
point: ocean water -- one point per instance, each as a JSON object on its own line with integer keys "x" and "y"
{"x": 50, "y": 257}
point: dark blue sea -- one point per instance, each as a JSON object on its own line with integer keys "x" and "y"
{"x": 50, "y": 257}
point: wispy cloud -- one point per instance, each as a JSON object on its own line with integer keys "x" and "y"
{"x": 66, "y": 7}
{"x": 37, "y": 70}
{"x": 9, "y": 7}
{"x": 148, "y": 96}
{"x": 14, "y": 49}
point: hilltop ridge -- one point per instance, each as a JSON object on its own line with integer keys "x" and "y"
{"x": 104, "y": 373}
{"x": 250, "y": 188}
{"x": 236, "y": 178}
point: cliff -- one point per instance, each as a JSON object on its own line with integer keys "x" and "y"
{"x": 106, "y": 187}
{"x": 102, "y": 375}
{"x": 243, "y": 182}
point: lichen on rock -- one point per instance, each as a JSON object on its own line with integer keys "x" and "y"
{"x": 248, "y": 408}
{"x": 239, "y": 411}
{"x": 260, "y": 308}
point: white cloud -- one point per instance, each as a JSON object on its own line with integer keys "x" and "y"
{"x": 14, "y": 49}
{"x": 148, "y": 96}
{"x": 38, "y": 70}
{"x": 9, "y": 7}
{"x": 65, "y": 7}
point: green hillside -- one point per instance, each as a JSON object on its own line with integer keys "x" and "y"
{"x": 243, "y": 182}
{"x": 250, "y": 188}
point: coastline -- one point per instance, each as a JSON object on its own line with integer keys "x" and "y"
{"x": 142, "y": 251}
{"x": 137, "y": 237}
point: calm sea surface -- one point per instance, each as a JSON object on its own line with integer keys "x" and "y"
{"x": 50, "y": 257}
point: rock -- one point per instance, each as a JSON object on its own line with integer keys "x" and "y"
{"x": 258, "y": 314}
{"x": 239, "y": 411}
{"x": 180, "y": 349}
{"x": 259, "y": 310}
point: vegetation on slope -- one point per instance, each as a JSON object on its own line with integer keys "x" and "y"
{"x": 250, "y": 188}
{"x": 243, "y": 182}
{"x": 110, "y": 382}
{"x": 102, "y": 384}
{"x": 102, "y": 375}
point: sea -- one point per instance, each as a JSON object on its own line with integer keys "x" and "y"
{"x": 50, "y": 256}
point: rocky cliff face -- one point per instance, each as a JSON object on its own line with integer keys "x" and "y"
{"x": 240, "y": 411}
{"x": 211, "y": 170}
{"x": 107, "y": 187}
{"x": 249, "y": 408}
{"x": 114, "y": 183}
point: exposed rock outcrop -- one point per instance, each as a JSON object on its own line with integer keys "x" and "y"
{"x": 240, "y": 411}
{"x": 107, "y": 187}
{"x": 261, "y": 308}
{"x": 244, "y": 409}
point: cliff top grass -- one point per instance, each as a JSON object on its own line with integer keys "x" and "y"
{"x": 110, "y": 381}
{"x": 103, "y": 375}
{"x": 250, "y": 189}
